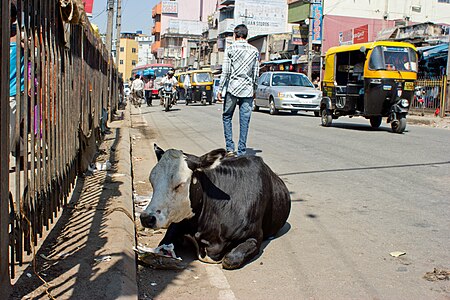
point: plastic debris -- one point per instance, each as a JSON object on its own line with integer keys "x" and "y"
{"x": 29, "y": 275}
{"x": 162, "y": 257}
{"x": 103, "y": 258}
{"x": 153, "y": 284}
{"x": 397, "y": 253}
{"x": 103, "y": 166}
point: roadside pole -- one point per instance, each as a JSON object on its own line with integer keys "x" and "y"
{"x": 109, "y": 31}
{"x": 310, "y": 38}
{"x": 447, "y": 90}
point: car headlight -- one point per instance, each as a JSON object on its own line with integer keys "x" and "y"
{"x": 285, "y": 95}
{"x": 404, "y": 103}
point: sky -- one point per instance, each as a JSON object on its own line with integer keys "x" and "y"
{"x": 136, "y": 15}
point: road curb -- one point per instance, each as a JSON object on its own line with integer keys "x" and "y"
{"x": 120, "y": 229}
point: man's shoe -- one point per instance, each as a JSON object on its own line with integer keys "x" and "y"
{"x": 230, "y": 154}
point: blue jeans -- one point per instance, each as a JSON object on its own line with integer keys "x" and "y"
{"x": 245, "y": 111}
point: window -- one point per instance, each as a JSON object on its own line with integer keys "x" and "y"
{"x": 443, "y": 1}
{"x": 133, "y": 50}
{"x": 122, "y": 49}
{"x": 133, "y": 62}
{"x": 121, "y": 62}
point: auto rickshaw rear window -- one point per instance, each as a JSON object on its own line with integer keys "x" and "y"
{"x": 203, "y": 77}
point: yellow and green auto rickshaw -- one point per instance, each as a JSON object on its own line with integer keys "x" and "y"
{"x": 372, "y": 80}
{"x": 201, "y": 86}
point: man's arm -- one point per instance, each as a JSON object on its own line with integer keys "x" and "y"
{"x": 226, "y": 71}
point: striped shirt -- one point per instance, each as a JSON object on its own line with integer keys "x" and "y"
{"x": 240, "y": 69}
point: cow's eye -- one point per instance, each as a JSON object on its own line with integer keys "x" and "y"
{"x": 179, "y": 186}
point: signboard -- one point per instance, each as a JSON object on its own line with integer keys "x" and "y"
{"x": 88, "y": 4}
{"x": 169, "y": 7}
{"x": 361, "y": 34}
{"x": 354, "y": 36}
{"x": 300, "y": 35}
{"x": 316, "y": 13}
{"x": 186, "y": 27}
{"x": 346, "y": 37}
{"x": 262, "y": 16}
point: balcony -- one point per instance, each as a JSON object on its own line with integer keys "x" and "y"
{"x": 212, "y": 34}
{"x": 156, "y": 46}
{"x": 156, "y": 28}
{"x": 226, "y": 25}
{"x": 157, "y": 9}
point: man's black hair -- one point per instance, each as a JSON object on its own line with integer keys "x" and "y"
{"x": 137, "y": 76}
{"x": 13, "y": 12}
{"x": 241, "y": 31}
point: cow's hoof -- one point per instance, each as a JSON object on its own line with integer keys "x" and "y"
{"x": 232, "y": 261}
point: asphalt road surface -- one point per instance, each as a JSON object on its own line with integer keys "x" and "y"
{"x": 358, "y": 194}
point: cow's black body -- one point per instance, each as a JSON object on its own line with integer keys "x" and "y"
{"x": 237, "y": 205}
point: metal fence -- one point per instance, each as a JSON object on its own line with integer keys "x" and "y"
{"x": 430, "y": 96}
{"x": 69, "y": 89}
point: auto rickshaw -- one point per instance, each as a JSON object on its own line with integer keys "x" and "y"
{"x": 201, "y": 86}
{"x": 372, "y": 80}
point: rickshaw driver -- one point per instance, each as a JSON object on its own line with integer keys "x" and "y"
{"x": 170, "y": 79}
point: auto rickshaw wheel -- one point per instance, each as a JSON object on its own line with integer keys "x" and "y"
{"x": 272, "y": 108}
{"x": 316, "y": 114}
{"x": 375, "y": 122}
{"x": 327, "y": 118}
{"x": 399, "y": 125}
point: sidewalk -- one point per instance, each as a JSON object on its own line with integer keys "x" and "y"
{"x": 89, "y": 252}
{"x": 428, "y": 120}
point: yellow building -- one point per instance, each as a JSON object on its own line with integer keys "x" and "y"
{"x": 127, "y": 57}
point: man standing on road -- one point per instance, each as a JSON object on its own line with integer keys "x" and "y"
{"x": 137, "y": 90}
{"x": 240, "y": 70}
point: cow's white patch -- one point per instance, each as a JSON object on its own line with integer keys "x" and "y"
{"x": 170, "y": 179}
{"x": 216, "y": 163}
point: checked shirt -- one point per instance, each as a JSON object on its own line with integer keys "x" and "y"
{"x": 240, "y": 69}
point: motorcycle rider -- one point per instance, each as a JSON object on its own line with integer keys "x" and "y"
{"x": 169, "y": 78}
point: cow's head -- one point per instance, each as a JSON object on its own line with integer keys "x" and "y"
{"x": 171, "y": 179}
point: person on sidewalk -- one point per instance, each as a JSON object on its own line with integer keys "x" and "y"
{"x": 240, "y": 70}
{"x": 137, "y": 90}
{"x": 148, "y": 90}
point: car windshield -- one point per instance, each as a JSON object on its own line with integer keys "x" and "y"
{"x": 202, "y": 77}
{"x": 280, "y": 79}
{"x": 393, "y": 59}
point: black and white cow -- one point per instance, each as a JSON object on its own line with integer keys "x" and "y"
{"x": 228, "y": 205}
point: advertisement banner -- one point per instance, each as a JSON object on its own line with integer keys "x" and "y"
{"x": 88, "y": 5}
{"x": 316, "y": 13}
{"x": 300, "y": 35}
{"x": 169, "y": 7}
{"x": 346, "y": 37}
{"x": 361, "y": 34}
{"x": 262, "y": 16}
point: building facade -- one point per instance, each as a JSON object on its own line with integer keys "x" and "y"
{"x": 178, "y": 27}
{"x": 145, "y": 55}
{"x": 128, "y": 55}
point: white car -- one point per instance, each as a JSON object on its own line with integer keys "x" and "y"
{"x": 287, "y": 91}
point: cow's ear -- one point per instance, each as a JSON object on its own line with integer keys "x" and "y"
{"x": 158, "y": 151}
{"x": 211, "y": 159}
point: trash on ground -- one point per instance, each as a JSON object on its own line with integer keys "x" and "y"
{"x": 397, "y": 253}
{"x": 29, "y": 275}
{"x": 153, "y": 284}
{"x": 103, "y": 258}
{"x": 162, "y": 257}
{"x": 437, "y": 274}
{"x": 103, "y": 166}
{"x": 115, "y": 175}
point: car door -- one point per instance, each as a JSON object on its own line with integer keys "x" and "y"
{"x": 266, "y": 90}
{"x": 260, "y": 90}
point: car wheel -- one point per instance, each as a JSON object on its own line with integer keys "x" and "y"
{"x": 316, "y": 114}
{"x": 327, "y": 118}
{"x": 272, "y": 108}
{"x": 399, "y": 125}
{"x": 255, "y": 107}
{"x": 375, "y": 122}
{"x": 294, "y": 112}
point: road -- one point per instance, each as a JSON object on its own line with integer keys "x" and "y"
{"x": 358, "y": 194}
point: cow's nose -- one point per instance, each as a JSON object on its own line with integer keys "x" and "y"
{"x": 148, "y": 220}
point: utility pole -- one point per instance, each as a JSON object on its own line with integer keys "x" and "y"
{"x": 443, "y": 106}
{"x": 109, "y": 28}
{"x": 310, "y": 38}
{"x": 118, "y": 29}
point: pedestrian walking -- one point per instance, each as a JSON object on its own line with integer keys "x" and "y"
{"x": 137, "y": 90}
{"x": 148, "y": 90}
{"x": 237, "y": 84}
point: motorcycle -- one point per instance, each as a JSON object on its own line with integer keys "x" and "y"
{"x": 168, "y": 96}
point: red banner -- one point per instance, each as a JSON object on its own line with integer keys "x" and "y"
{"x": 88, "y": 4}
{"x": 361, "y": 34}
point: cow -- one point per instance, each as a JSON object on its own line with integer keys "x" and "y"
{"x": 227, "y": 205}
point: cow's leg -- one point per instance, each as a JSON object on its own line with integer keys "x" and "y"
{"x": 245, "y": 251}
{"x": 174, "y": 235}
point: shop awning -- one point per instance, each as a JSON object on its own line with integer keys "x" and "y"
{"x": 433, "y": 51}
